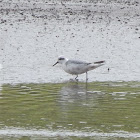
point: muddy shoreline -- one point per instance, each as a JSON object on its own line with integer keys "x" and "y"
{"x": 33, "y": 35}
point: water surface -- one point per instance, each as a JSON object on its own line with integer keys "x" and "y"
{"x": 98, "y": 110}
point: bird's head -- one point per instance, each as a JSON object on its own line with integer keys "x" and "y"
{"x": 61, "y": 60}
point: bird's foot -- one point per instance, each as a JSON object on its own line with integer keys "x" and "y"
{"x": 76, "y": 80}
{"x": 73, "y": 80}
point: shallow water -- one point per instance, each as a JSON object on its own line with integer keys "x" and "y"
{"x": 99, "y": 110}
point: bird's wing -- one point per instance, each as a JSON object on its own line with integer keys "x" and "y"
{"x": 76, "y": 62}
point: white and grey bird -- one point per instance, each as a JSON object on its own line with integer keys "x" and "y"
{"x": 76, "y": 67}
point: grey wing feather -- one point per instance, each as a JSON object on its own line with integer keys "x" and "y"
{"x": 76, "y": 62}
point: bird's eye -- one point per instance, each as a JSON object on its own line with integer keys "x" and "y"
{"x": 61, "y": 58}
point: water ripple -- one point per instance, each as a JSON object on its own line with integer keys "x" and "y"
{"x": 64, "y": 133}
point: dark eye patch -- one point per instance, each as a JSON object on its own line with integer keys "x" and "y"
{"x": 61, "y": 58}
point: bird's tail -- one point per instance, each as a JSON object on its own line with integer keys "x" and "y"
{"x": 96, "y": 65}
{"x": 99, "y": 62}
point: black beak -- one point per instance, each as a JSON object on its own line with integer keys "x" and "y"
{"x": 55, "y": 64}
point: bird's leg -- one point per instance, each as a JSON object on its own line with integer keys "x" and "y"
{"x": 76, "y": 78}
{"x": 86, "y": 76}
